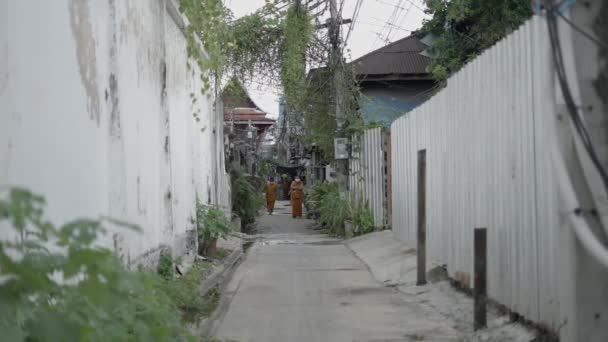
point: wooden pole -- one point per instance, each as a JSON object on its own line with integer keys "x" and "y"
{"x": 480, "y": 285}
{"x": 421, "y": 250}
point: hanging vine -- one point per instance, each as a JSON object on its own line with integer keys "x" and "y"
{"x": 298, "y": 32}
{"x": 278, "y": 47}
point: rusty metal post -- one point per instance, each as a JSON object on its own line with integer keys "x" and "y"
{"x": 421, "y": 250}
{"x": 480, "y": 277}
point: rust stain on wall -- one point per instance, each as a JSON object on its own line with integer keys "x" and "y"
{"x": 82, "y": 31}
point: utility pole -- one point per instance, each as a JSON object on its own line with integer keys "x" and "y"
{"x": 335, "y": 63}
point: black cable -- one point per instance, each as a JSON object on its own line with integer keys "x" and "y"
{"x": 567, "y": 94}
{"x": 583, "y": 32}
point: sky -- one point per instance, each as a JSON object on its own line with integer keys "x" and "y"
{"x": 379, "y": 22}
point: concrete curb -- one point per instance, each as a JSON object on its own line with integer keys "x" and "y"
{"x": 218, "y": 278}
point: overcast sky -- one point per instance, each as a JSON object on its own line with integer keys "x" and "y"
{"x": 379, "y": 22}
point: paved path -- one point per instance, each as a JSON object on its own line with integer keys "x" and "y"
{"x": 297, "y": 285}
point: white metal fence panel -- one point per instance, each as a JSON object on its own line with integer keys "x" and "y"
{"x": 487, "y": 166}
{"x": 366, "y": 180}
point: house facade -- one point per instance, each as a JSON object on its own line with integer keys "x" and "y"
{"x": 246, "y": 127}
{"x": 393, "y": 80}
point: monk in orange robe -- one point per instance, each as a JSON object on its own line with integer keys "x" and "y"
{"x": 286, "y": 184}
{"x": 271, "y": 195}
{"x": 297, "y": 196}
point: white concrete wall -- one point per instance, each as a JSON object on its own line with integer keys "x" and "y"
{"x": 99, "y": 118}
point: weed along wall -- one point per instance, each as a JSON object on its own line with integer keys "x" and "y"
{"x": 98, "y": 117}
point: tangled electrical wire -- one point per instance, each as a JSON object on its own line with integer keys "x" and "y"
{"x": 558, "y": 60}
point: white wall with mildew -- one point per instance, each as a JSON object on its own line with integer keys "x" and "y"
{"x": 100, "y": 119}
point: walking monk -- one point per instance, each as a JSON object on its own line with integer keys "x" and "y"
{"x": 297, "y": 195}
{"x": 271, "y": 195}
{"x": 286, "y": 184}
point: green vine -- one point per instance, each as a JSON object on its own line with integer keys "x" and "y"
{"x": 276, "y": 46}
{"x": 245, "y": 47}
{"x": 209, "y": 25}
{"x": 297, "y": 36}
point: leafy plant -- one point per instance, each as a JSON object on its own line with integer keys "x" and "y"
{"x": 298, "y": 32}
{"x": 57, "y": 285}
{"x": 334, "y": 210}
{"x": 222, "y": 253}
{"x": 165, "y": 266}
{"x": 464, "y": 28}
{"x": 212, "y": 223}
{"x": 362, "y": 217}
{"x": 246, "y": 199}
{"x": 328, "y": 207}
{"x": 314, "y": 197}
{"x": 185, "y": 295}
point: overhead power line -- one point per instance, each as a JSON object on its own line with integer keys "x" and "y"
{"x": 354, "y": 18}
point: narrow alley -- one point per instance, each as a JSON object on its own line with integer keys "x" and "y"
{"x": 300, "y": 285}
{"x": 438, "y": 170}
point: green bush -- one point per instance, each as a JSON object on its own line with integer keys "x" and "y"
{"x": 222, "y": 253}
{"x": 246, "y": 198}
{"x": 57, "y": 285}
{"x": 328, "y": 207}
{"x": 325, "y": 204}
{"x": 362, "y": 217}
{"x": 165, "y": 266}
{"x": 211, "y": 223}
{"x": 185, "y": 295}
{"x": 314, "y": 197}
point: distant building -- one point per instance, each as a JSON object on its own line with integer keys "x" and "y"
{"x": 291, "y": 148}
{"x": 246, "y": 126}
{"x": 393, "y": 80}
{"x": 292, "y": 156}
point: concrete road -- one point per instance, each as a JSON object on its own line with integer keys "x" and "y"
{"x": 298, "y": 285}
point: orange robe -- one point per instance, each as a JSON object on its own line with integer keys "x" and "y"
{"x": 286, "y": 185}
{"x": 271, "y": 196}
{"x": 297, "y": 196}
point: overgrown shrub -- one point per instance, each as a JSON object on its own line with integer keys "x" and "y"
{"x": 165, "y": 266}
{"x": 185, "y": 295}
{"x": 246, "y": 198}
{"x": 362, "y": 217}
{"x": 333, "y": 211}
{"x": 211, "y": 223}
{"x": 314, "y": 197}
{"x": 57, "y": 285}
{"x": 327, "y": 206}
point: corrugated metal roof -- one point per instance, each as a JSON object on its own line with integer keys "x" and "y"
{"x": 398, "y": 58}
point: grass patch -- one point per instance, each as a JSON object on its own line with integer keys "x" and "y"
{"x": 222, "y": 253}
{"x": 185, "y": 295}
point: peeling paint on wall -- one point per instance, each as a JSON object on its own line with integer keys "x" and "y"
{"x": 82, "y": 31}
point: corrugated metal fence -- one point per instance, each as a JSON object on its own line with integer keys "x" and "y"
{"x": 488, "y": 165}
{"x": 367, "y": 173}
